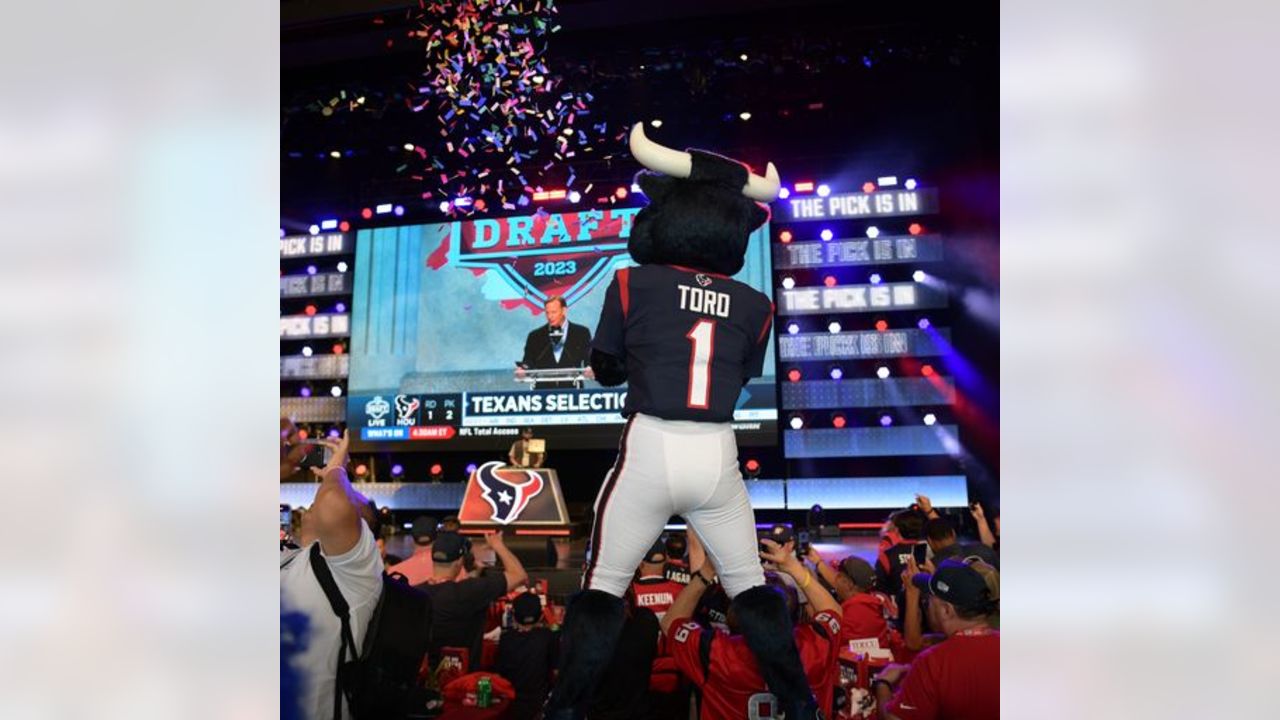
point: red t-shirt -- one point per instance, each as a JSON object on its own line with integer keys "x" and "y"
{"x": 732, "y": 688}
{"x": 865, "y": 615}
{"x": 957, "y": 679}
{"x": 656, "y": 593}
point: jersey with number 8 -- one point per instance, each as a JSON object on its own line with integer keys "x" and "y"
{"x": 702, "y": 336}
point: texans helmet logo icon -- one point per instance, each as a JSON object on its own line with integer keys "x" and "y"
{"x": 508, "y": 499}
{"x": 703, "y": 280}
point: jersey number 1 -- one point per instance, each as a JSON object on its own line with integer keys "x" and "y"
{"x": 703, "y": 337}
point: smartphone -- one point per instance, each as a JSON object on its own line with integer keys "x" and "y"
{"x": 286, "y": 516}
{"x": 802, "y": 544}
{"x": 317, "y": 456}
{"x": 919, "y": 551}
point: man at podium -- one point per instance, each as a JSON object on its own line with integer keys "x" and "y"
{"x": 527, "y": 452}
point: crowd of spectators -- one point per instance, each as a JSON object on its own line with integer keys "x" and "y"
{"x": 912, "y": 634}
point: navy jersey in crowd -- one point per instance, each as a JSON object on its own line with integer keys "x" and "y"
{"x": 701, "y": 336}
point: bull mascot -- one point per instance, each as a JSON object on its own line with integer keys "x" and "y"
{"x": 687, "y": 338}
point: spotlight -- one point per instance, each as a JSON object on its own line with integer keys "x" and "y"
{"x": 885, "y": 421}
{"x": 338, "y": 349}
{"x": 409, "y": 146}
{"x": 910, "y": 184}
{"x": 444, "y": 206}
{"x": 344, "y": 226}
{"x": 887, "y": 180}
{"x": 366, "y": 213}
{"x": 306, "y": 351}
{"x": 335, "y": 154}
{"x": 620, "y": 193}
{"x": 635, "y": 187}
{"x": 837, "y": 373}
{"x": 882, "y": 325}
{"x": 383, "y": 209}
{"x": 824, "y": 190}
{"x": 309, "y": 310}
{"x": 362, "y": 470}
{"x": 868, "y": 187}
{"x": 930, "y": 419}
{"x": 314, "y": 229}
{"x": 305, "y": 391}
{"x": 567, "y": 131}
{"x": 829, "y": 281}
{"x": 783, "y": 193}
{"x": 656, "y": 123}
{"x": 793, "y": 375}
{"x": 342, "y": 266}
{"x": 797, "y": 422}
{"x": 397, "y": 470}
{"x": 926, "y": 370}
{"x": 792, "y": 328}
{"x": 575, "y": 196}
{"x": 923, "y": 324}
{"x": 437, "y": 473}
{"x": 918, "y": 276}
{"x": 752, "y": 467}
{"x": 834, "y": 327}
{"x": 804, "y": 186}
{"x": 788, "y": 282}
{"x": 785, "y": 236}
{"x": 336, "y": 391}
{"x": 330, "y": 224}
{"x": 915, "y": 228}
{"x": 340, "y": 307}
{"x": 838, "y": 421}
{"x": 882, "y": 372}
{"x": 743, "y": 57}
{"x": 333, "y": 433}
{"x": 875, "y": 278}
{"x": 873, "y": 231}
{"x": 745, "y": 116}
{"x": 311, "y": 269}
{"x": 399, "y": 210}
{"x": 471, "y": 468}
{"x": 827, "y": 235}
{"x": 303, "y": 434}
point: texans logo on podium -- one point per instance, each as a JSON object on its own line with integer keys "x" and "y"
{"x": 507, "y": 496}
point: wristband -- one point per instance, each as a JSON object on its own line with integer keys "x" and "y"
{"x": 704, "y": 579}
{"x": 808, "y": 578}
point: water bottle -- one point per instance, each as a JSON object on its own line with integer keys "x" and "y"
{"x": 484, "y": 692}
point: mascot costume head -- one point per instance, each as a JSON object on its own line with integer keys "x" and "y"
{"x": 702, "y": 208}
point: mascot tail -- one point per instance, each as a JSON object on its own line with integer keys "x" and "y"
{"x": 765, "y": 624}
{"x": 592, "y": 623}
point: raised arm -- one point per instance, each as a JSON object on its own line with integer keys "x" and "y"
{"x": 701, "y": 578}
{"x": 827, "y": 573}
{"x": 511, "y": 567}
{"x": 984, "y": 530}
{"x": 912, "y": 624}
{"x": 334, "y": 512}
{"x": 819, "y": 599}
{"x": 697, "y": 555}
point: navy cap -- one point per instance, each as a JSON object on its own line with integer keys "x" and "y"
{"x": 957, "y": 583}
{"x": 527, "y": 608}
{"x": 448, "y": 547}
{"x": 859, "y": 571}
{"x": 781, "y": 534}
{"x": 424, "y": 529}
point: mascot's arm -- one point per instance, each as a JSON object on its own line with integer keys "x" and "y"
{"x": 609, "y": 369}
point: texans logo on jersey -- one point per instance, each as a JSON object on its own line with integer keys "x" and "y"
{"x": 508, "y": 499}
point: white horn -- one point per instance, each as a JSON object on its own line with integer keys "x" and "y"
{"x": 763, "y": 189}
{"x": 661, "y": 159}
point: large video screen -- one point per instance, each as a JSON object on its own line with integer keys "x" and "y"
{"x": 451, "y": 346}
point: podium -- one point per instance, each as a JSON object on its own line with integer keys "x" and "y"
{"x": 498, "y": 496}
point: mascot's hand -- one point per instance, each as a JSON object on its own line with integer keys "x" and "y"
{"x": 610, "y": 370}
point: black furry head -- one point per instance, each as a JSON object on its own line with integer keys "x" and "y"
{"x": 701, "y": 222}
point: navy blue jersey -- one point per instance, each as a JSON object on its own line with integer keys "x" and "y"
{"x": 690, "y": 340}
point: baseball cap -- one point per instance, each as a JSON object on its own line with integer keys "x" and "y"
{"x": 859, "y": 571}
{"x": 448, "y": 547}
{"x": 657, "y": 553}
{"x": 424, "y": 529}
{"x": 781, "y": 534}
{"x": 527, "y": 608}
{"x": 957, "y": 583}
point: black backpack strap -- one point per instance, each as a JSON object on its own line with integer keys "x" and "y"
{"x": 324, "y": 576}
{"x": 704, "y": 651}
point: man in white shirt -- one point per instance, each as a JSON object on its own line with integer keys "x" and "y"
{"x": 341, "y": 520}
